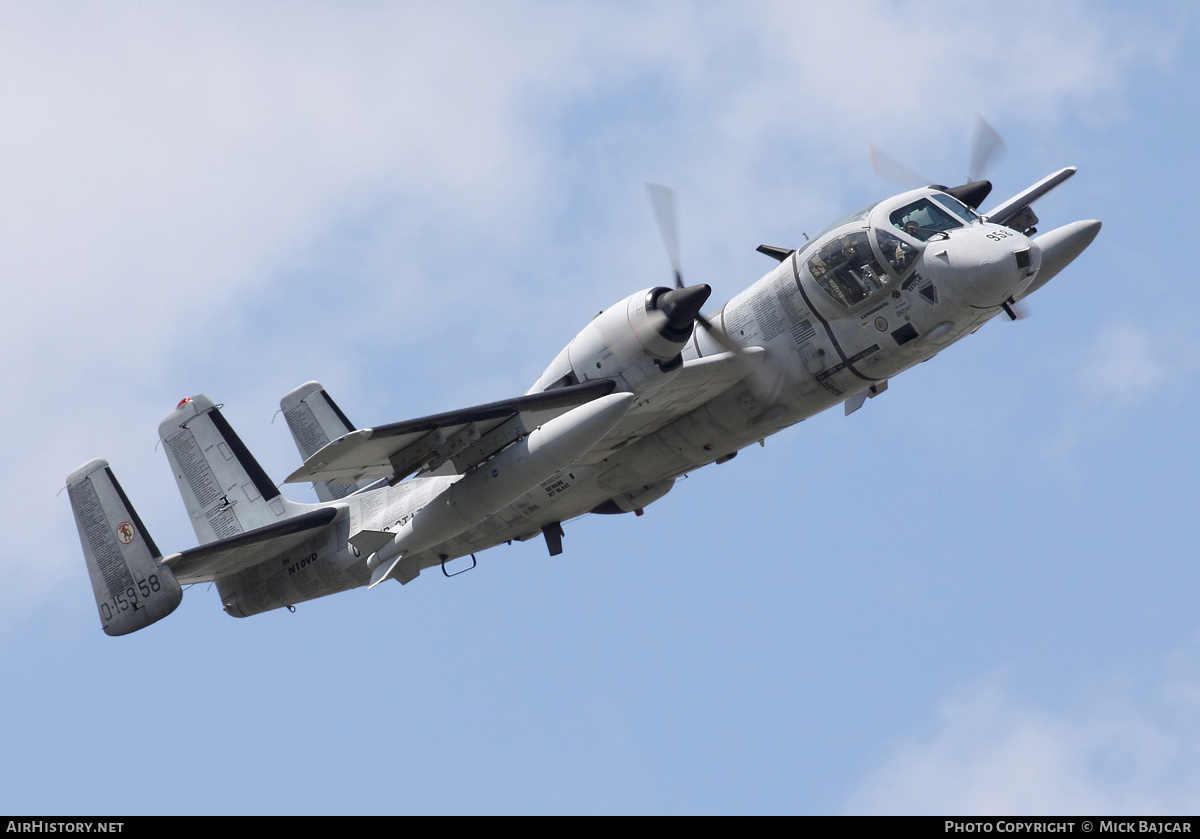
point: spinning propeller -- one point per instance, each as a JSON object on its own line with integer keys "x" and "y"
{"x": 986, "y": 147}
{"x": 682, "y": 305}
{"x": 685, "y": 302}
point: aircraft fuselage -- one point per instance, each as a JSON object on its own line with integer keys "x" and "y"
{"x": 884, "y": 290}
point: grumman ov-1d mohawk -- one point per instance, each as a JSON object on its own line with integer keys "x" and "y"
{"x": 638, "y": 398}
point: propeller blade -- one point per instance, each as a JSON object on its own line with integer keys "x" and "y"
{"x": 721, "y": 338}
{"x": 765, "y": 374}
{"x": 662, "y": 200}
{"x": 986, "y": 147}
{"x": 683, "y": 304}
{"x": 892, "y": 170}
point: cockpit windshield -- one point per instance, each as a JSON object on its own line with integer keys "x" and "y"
{"x": 923, "y": 218}
{"x": 957, "y": 207}
{"x": 847, "y": 269}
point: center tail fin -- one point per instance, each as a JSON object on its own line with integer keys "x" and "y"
{"x": 224, "y": 489}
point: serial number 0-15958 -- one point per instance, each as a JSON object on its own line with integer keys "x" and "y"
{"x": 129, "y": 598}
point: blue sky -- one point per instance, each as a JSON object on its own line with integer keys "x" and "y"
{"x": 975, "y": 595}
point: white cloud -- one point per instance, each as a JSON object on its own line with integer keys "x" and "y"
{"x": 1126, "y": 364}
{"x": 993, "y": 753}
{"x": 166, "y": 164}
{"x": 1126, "y": 369}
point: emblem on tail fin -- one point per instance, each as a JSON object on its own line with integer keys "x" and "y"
{"x": 125, "y": 532}
{"x": 132, "y": 588}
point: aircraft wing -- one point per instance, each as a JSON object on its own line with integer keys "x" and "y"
{"x": 237, "y": 553}
{"x": 700, "y": 380}
{"x": 462, "y": 438}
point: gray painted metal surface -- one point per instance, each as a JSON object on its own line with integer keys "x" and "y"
{"x": 636, "y": 400}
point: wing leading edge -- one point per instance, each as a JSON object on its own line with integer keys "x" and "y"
{"x": 462, "y": 438}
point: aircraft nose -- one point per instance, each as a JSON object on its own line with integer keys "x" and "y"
{"x": 1027, "y": 256}
{"x": 1004, "y": 264}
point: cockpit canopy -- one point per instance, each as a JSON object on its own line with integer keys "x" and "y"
{"x": 926, "y": 217}
{"x": 881, "y": 243}
{"x": 847, "y": 268}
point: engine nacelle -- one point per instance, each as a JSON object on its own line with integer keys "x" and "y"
{"x": 636, "y": 341}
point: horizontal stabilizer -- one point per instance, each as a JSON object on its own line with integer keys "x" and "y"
{"x": 465, "y": 438}
{"x": 237, "y": 553}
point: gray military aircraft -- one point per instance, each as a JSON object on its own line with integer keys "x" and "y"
{"x": 651, "y": 389}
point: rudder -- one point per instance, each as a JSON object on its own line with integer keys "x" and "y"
{"x": 132, "y": 590}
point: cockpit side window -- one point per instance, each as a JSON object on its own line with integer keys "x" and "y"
{"x": 847, "y": 269}
{"x": 923, "y": 219}
{"x": 900, "y": 255}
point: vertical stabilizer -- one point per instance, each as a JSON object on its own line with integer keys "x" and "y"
{"x": 315, "y": 421}
{"x": 132, "y": 590}
{"x": 224, "y": 489}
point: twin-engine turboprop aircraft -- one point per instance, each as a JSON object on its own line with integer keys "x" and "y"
{"x": 649, "y": 390}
